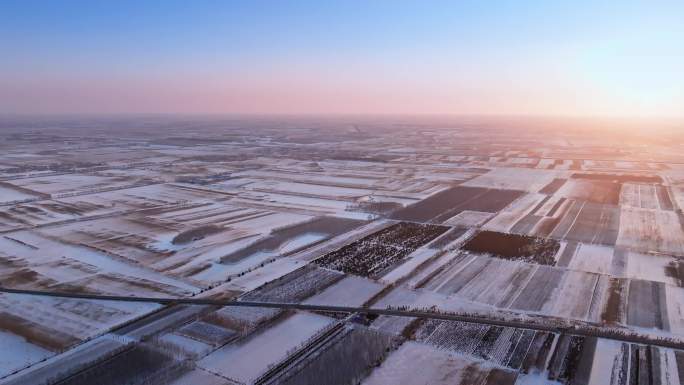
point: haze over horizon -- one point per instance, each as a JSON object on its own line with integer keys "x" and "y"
{"x": 584, "y": 58}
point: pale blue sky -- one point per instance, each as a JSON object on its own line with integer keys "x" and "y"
{"x": 492, "y": 57}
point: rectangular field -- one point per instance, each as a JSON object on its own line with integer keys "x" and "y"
{"x": 588, "y": 222}
{"x": 448, "y": 203}
{"x": 245, "y": 360}
{"x": 514, "y": 247}
{"x": 373, "y": 254}
{"x": 651, "y": 231}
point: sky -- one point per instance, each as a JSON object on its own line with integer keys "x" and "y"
{"x": 523, "y": 57}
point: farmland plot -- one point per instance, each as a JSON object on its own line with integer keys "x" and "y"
{"x": 200, "y": 260}
{"x": 523, "y": 179}
{"x": 243, "y": 318}
{"x": 567, "y": 253}
{"x": 139, "y": 198}
{"x": 503, "y": 289}
{"x": 482, "y": 279}
{"x": 657, "y": 268}
{"x": 589, "y": 222}
{"x": 553, "y": 186}
{"x": 199, "y": 376}
{"x": 425, "y": 299}
{"x": 469, "y": 218}
{"x": 502, "y": 346}
{"x": 647, "y": 305}
{"x": 527, "y": 223}
{"x": 596, "y": 191}
{"x": 449, "y": 238}
{"x": 67, "y": 184}
{"x": 139, "y": 364}
{"x": 461, "y": 271}
{"x": 675, "y": 308}
{"x": 618, "y": 178}
{"x": 209, "y": 262}
{"x": 54, "y": 324}
{"x": 358, "y": 181}
{"x": 187, "y": 345}
{"x": 514, "y": 247}
{"x": 246, "y": 359}
{"x": 39, "y": 213}
{"x": 10, "y": 193}
{"x": 550, "y": 206}
{"x": 351, "y": 291}
{"x": 373, "y": 254}
{"x": 309, "y": 189}
{"x": 18, "y": 353}
{"x": 540, "y": 290}
{"x": 123, "y": 237}
{"x": 414, "y": 261}
{"x": 592, "y": 259}
{"x": 416, "y": 363}
{"x": 432, "y": 268}
{"x": 448, "y": 203}
{"x": 214, "y": 214}
{"x": 643, "y": 196}
{"x": 295, "y": 286}
{"x": 257, "y": 277}
{"x": 207, "y": 333}
{"x": 546, "y": 163}
{"x": 618, "y": 363}
{"x": 664, "y": 199}
{"x": 651, "y": 231}
{"x": 357, "y": 347}
{"x": 308, "y": 205}
{"x": 112, "y": 274}
{"x": 484, "y": 286}
{"x": 577, "y": 291}
{"x": 291, "y": 238}
{"x": 509, "y": 216}
{"x": 615, "y": 305}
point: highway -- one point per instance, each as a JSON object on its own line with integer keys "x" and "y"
{"x": 540, "y": 324}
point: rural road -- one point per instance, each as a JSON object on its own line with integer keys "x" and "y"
{"x": 587, "y": 330}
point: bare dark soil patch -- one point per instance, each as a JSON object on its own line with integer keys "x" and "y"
{"x": 374, "y": 253}
{"x": 514, "y": 247}
{"x": 450, "y": 202}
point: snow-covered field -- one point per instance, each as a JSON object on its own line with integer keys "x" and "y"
{"x": 647, "y": 230}
{"x": 351, "y": 291}
{"x": 344, "y": 214}
{"x": 531, "y": 180}
{"x": 8, "y": 195}
{"x": 245, "y": 360}
{"x": 415, "y": 363}
{"x": 18, "y": 353}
